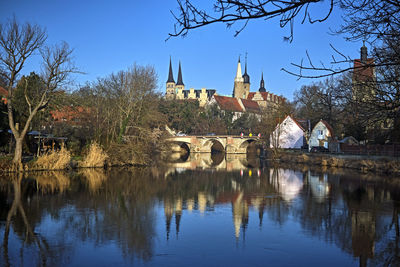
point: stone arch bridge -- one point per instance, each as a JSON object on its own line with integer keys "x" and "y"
{"x": 231, "y": 144}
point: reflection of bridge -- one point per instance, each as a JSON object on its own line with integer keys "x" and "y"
{"x": 217, "y": 161}
{"x": 231, "y": 144}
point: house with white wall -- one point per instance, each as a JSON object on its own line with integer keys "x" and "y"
{"x": 288, "y": 134}
{"x": 321, "y": 135}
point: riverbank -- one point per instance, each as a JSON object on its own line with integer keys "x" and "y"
{"x": 381, "y": 164}
{"x": 94, "y": 157}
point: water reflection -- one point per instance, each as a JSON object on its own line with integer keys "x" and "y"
{"x": 136, "y": 215}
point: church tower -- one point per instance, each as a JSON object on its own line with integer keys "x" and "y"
{"x": 238, "y": 88}
{"x": 170, "y": 85}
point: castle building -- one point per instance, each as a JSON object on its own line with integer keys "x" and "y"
{"x": 177, "y": 91}
{"x": 247, "y": 101}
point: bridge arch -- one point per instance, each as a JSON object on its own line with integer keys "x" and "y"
{"x": 214, "y": 144}
{"x": 178, "y": 146}
{"x": 246, "y": 143}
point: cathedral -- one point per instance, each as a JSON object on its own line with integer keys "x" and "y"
{"x": 241, "y": 92}
{"x": 177, "y": 90}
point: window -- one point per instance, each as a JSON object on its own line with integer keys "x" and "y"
{"x": 320, "y": 132}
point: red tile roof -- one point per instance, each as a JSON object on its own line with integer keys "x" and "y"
{"x": 3, "y": 95}
{"x": 69, "y": 114}
{"x": 3, "y": 92}
{"x": 251, "y": 106}
{"x": 228, "y": 103}
{"x": 364, "y": 72}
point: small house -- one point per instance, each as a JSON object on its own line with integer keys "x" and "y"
{"x": 288, "y": 134}
{"x": 321, "y": 135}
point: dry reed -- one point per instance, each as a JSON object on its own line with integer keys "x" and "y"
{"x": 55, "y": 160}
{"x": 96, "y": 157}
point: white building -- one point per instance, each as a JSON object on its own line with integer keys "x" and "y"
{"x": 288, "y": 134}
{"x": 321, "y": 135}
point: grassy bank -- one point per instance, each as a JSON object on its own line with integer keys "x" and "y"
{"x": 94, "y": 157}
{"x": 364, "y": 164}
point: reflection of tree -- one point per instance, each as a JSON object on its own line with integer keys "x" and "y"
{"x": 121, "y": 210}
{"x": 29, "y": 235}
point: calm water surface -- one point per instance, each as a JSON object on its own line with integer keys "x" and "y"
{"x": 200, "y": 211}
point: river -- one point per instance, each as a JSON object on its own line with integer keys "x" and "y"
{"x": 200, "y": 210}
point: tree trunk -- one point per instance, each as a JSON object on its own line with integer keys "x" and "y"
{"x": 18, "y": 151}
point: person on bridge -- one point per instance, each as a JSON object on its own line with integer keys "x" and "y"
{"x": 241, "y": 135}
{"x": 250, "y": 134}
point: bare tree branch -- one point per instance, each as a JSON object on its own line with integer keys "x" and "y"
{"x": 189, "y": 16}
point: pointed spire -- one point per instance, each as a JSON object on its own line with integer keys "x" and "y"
{"x": 239, "y": 77}
{"x": 262, "y": 88}
{"x": 170, "y": 75}
{"x": 179, "y": 82}
{"x": 246, "y": 77}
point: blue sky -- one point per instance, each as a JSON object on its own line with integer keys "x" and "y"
{"x": 108, "y": 36}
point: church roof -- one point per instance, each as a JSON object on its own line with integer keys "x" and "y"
{"x": 251, "y": 106}
{"x": 228, "y": 103}
{"x": 170, "y": 75}
{"x": 180, "y": 81}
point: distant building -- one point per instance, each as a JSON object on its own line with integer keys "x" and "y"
{"x": 3, "y": 95}
{"x": 254, "y": 101}
{"x": 364, "y": 77}
{"x": 241, "y": 89}
{"x": 177, "y": 90}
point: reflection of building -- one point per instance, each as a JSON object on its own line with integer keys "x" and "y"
{"x": 287, "y": 182}
{"x": 319, "y": 186}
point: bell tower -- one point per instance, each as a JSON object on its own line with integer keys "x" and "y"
{"x": 238, "y": 87}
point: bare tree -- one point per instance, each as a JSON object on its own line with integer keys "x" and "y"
{"x": 18, "y": 43}
{"x": 364, "y": 20}
{"x": 190, "y": 16}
